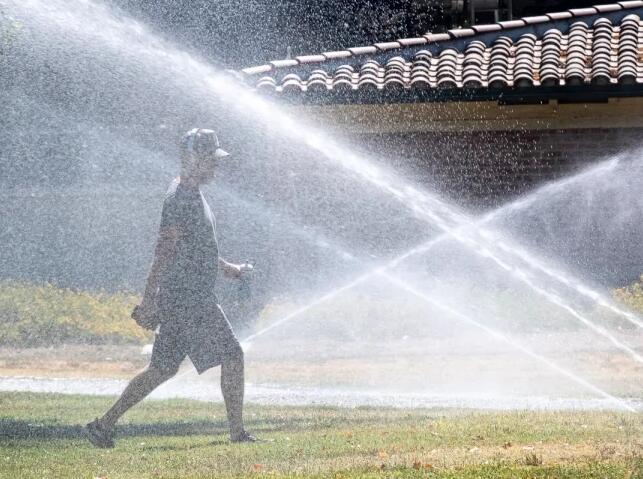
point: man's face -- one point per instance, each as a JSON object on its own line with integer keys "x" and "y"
{"x": 206, "y": 168}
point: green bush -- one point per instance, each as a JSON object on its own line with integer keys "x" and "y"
{"x": 631, "y": 295}
{"x": 46, "y": 315}
{"x": 9, "y": 29}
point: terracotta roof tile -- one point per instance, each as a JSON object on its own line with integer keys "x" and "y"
{"x": 284, "y": 63}
{"x": 366, "y": 50}
{"x": 612, "y": 7}
{"x": 266, "y": 83}
{"x": 601, "y": 45}
{"x": 257, "y": 70}
{"x": 535, "y": 20}
{"x": 491, "y": 27}
{"x": 560, "y": 15}
{"x": 384, "y": 46}
{"x": 579, "y": 12}
{"x": 410, "y": 42}
{"x": 310, "y": 59}
{"x": 337, "y": 54}
{"x": 512, "y": 24}
{"x": 437, "y": 37}
{"x": 462, "y": 32}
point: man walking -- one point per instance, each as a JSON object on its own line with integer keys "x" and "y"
{"x": 179, "y": 296}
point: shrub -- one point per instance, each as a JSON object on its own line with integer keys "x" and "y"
{"x": 43, "y": 315}
{"x": 631, "y": 295}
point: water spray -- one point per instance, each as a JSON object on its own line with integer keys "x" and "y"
{"x": 517, "y": 205}
{"x": 425, "y": 247}
{"x": 117, "y": 34}
{"x": 506, "y": 339}
{"x": 428, "y": 206}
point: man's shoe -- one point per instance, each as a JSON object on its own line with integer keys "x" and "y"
{"x": 98, "y": 435}
{"x": 244, "y": 437}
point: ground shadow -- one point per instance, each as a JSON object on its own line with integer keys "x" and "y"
{"x": 11, "y": 429}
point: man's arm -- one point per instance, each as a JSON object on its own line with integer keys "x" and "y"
{"x": 164, "y": 255}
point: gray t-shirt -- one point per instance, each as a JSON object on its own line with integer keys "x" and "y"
{"x": 189, "y": 280}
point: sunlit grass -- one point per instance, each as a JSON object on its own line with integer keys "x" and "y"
{"x": 41, "y": 437}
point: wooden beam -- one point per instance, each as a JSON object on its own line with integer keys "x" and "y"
{"x": 475, "y": 116}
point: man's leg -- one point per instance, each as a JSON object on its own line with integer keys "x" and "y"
{"x": 138, "y": 388}
{"x": 232, "y": 387}
{"x": 168, "y": 353}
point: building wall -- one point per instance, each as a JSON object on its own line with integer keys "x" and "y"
{"x": 94, "y": 237}
{"x": 592, "y": 225}
{"x": 483, "y": 169}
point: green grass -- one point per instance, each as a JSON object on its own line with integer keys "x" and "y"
{"x": 40, "y": 436}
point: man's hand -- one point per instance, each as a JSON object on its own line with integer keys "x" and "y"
{"x": 145, "y": 314}
{"x": 148, "y": 305}
{"x": 234, "y": 270}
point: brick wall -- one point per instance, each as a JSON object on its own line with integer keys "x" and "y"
{"x": 483, "y": 169}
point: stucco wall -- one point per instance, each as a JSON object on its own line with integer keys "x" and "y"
{"x": 483, "y": 169}
{"x": 594, "y": 224}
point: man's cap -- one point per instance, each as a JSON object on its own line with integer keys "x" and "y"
{"x": 202, "y": 142}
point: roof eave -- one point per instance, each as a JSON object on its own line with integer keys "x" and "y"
{"x": 586, "y": 93}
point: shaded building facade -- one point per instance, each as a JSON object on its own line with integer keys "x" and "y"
{"x": 485, "y": 113}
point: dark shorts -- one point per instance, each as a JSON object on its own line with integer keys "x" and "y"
{"x": 203, "y": 334}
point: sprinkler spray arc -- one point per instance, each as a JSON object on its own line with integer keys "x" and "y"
{"x": 423, "y": 248}
{"x": 511, "y": 207}
{"x": 506, "y": 339}
{"x": 382, "y": 271}
{"x": 417, "y": 202}
{"x": 116, "y": 32}
{"x": 372, "y": 173}
{"x": 455, "y": 233}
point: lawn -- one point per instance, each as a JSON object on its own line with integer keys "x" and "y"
{"x": 40, "y": 436}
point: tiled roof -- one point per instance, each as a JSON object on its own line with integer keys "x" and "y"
{"x": 599, "y": 46}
